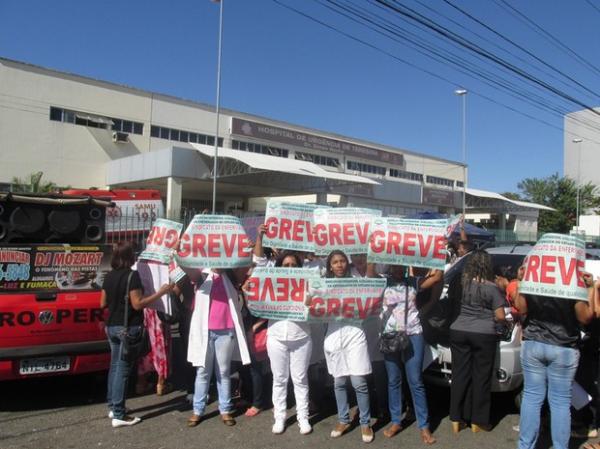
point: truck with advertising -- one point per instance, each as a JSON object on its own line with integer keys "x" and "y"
{"x": 53, "y": 259}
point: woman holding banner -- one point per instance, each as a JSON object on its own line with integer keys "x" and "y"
{"x": 473, "y": 343}
{"x": 400, "y": 314}
{"x": 123, "y": 295}
{"x": 216, "y": 330}
{"x": 289, "y": 347}
{"x": 347, "y": 357}
{"x": 550, "y": 357}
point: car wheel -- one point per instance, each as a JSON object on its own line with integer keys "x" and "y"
{"x": 517, "y": 398}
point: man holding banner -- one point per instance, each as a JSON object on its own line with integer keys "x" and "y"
{"x": 557, "y": 297}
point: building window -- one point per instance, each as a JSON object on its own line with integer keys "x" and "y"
{"x": 460, "y": 184}
{"x": 318, "y": 159}
{"x": 95, "y": 121}
{"x": 259, "y": 148}
{"x": 365, "y": 168}
{"x": 56, "y": 114}
{"x": 412, "y": 176}
{"x": 154, "y": 131}
{"x": 440, "y": 181}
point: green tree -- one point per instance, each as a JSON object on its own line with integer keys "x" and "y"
{"x": 559, "y": 193}
{"x": 33, "y": 184}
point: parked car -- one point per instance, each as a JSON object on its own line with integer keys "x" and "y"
{"x": 508, "y": 376}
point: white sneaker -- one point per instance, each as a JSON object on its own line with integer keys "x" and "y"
{"x": 111, "y": 414}
{"x": 278, "y": 427}
{"x": 126, "y": 421}
{"x": 305, "y": 427}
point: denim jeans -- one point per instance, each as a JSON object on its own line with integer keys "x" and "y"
{"x": 547, "y": 368}
{"x": 218, "y": 359}
{"x": 359, "y": 383}
{"x": 413, "y": 367}
{"x": 118, "y": 373}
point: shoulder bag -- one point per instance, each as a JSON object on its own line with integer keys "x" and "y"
{"x": 133, "y": 346}
{"x": 395, "y": 342}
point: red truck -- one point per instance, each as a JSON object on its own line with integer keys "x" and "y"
{"x": 53, "y": 259}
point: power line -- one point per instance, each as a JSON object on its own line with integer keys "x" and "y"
{"x": 499, "y": 47}
{"x": 556, "y": 42}
{"x": 430, "y": 51}
{"x": 421, "y": 69}
{"x": 589, "y": 2}
{"x": 513, "y": 43}
{"x": 463, "y": 42}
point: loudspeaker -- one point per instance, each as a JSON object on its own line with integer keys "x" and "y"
{"x": 26, "y": 222}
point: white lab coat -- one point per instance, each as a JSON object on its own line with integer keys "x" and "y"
{"x": 198, "y": 341}
{"x": 346, "y": 350}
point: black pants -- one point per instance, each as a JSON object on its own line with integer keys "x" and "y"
{"x": 473, "y": 357}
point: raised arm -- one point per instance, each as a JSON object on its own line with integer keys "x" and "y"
{"x": 585, "y": 311}
{"x": 138, "y": 302}
{"x": 258, "y": 246}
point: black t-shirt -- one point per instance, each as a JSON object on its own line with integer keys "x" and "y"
{"x": 115, "y": 284}
{"x": 551, "y": 320}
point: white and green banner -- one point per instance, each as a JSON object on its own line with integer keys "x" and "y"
{"x": 343, "y": 228}
{"x": 161, "y": 241}
{"x": 289, "y": 226}
{"x": 402, "y": 241}
{"x": 345, "y": 299}
{"x": 281, "y": 294}
{"x": 554, "y": 267}
{"x": 214, "y": 241}
{"x": 278, "y": 293}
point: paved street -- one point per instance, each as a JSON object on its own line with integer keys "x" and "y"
{"x": 70, "y": 413}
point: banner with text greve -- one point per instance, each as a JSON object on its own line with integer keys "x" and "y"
{"x": 343, "y": 228}
{"x": 403, "y": 241}
{"x": 214, "y": 241}
{"x": 554, "y": 267}
{"x": 289, "y": 226}
{"x": 352, "y": 300}
{"x": 278, "y": 293}
{"x": 161, "y": 241}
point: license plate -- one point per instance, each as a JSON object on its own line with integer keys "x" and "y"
{"x": 44, "y": 365}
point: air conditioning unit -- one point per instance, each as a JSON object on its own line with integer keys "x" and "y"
{"x": 120, "y": 137}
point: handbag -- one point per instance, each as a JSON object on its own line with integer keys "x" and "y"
{"x": 396, "y": 342}
{"x": 133, "y": 347}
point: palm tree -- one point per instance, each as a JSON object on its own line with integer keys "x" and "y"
{"x": 33, "y": 184}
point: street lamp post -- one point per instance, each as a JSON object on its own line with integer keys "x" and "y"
{"x": 578, "y": 141}
{"x": 463, "y": 93}
{"x": 218, "y": 107}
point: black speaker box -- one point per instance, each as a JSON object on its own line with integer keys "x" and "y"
{"x": 23, "y": 222}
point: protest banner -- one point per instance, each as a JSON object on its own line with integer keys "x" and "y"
{"x": 53, "y": 267}
{"x": 343, "y": 228}
{"x": 554, "y": 267}
{"x": 161, "y": 241}
{"x": 214, "y": 241}
{"x": 279, "y": 293}
{"x": 175, "y": 272}
{"x": 345, "y": 299}
{"x": 401, "y": 241}
{"x": 289, "y": 226}
{"x": 453, "y": 223}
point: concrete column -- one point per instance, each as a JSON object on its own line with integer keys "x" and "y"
{"x": 174, "y": 191}
{"x": 322, "y": 198}
{"x": 502, "y": 221}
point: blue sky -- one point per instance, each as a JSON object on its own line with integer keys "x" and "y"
{"x": 279, "y": 64}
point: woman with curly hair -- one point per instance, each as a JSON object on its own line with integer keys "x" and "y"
{"x": 473, "y": 342}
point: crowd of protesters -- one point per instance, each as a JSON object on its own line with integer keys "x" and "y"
{"x": 216, "y": 328}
